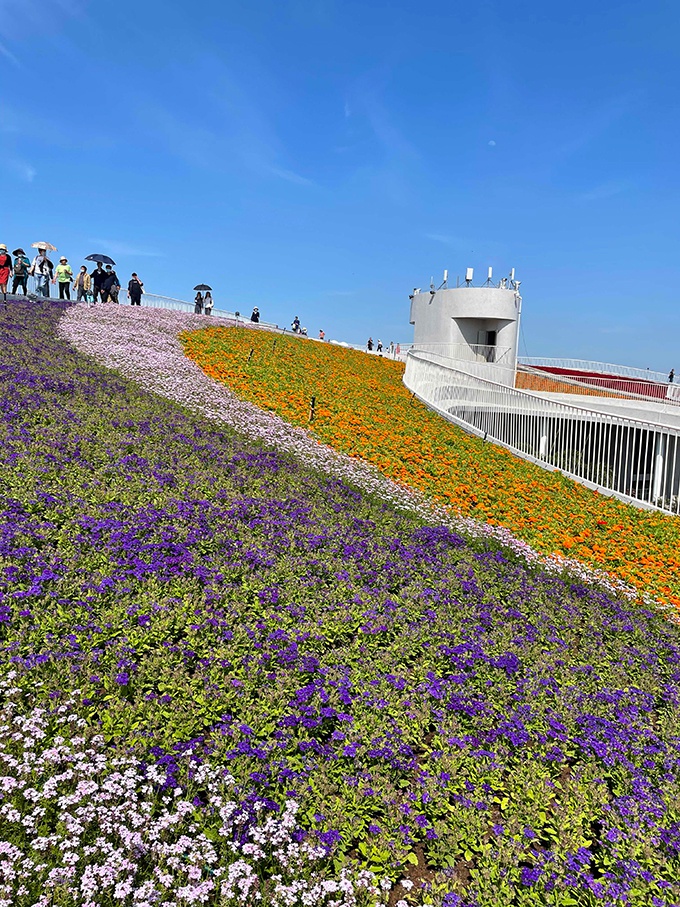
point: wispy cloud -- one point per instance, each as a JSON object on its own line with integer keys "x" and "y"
{"x": 240, "y": 131}
{"x": 114, "y": 247}
{"x": 599, "y": 122}
{"x": 289, "y": 175}
{"x": 21, "y": 169}
{"x": 605, "y": 190}
{"x": 8, "y": 55}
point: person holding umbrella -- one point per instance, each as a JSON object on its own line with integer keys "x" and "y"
{"x": 20, "y": 273}
{"x": 199, "y": 301}
{"x": 99, "y": 274}
{"x": 42, "y": 269}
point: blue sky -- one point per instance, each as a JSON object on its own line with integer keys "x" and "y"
{"x": 321, "y": 158}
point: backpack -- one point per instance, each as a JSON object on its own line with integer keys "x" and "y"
{"x": 19, "y": 267}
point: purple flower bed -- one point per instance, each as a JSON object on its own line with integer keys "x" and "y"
{"x": 241, "y": 628}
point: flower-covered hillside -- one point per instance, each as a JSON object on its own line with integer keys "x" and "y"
{"x": 363, "y": 408}
{"x": 229, "y": 678}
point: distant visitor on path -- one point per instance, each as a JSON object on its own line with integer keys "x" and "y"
{"x": 256, "y": 315}
{"x": 369, "y": 344}
{"x": 671, "y": 376}
{"x": 379, "y": 347}
{"x": 135, "y": 290}
{"x": 295, "y": 325}
{"x": 42, "y": 269}
{"x": 198, "y": 303}
{"x": 322, "y": 335}
{"x": 63, "y": 276}
{"x": 82, "y": 284}
{"x": 98, "y": 277}
{"x": 20, "y": 271}
{"x": 5, "y": 268}
{"x": 208, "y": 303}
{"x": 111, "y": 285}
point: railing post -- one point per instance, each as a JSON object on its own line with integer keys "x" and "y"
{"x": 659, "y": 462}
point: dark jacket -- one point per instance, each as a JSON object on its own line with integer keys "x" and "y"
{"x": 111, "y": 280}
{"x": 98, "y": 278}
{"x": 135, "y": 288}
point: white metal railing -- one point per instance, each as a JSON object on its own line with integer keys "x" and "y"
{"x": 542, "y": 381}
{"x": 469, "y": 352}
{"x": 602, "y": 368}
{"x": 637, "y": 461}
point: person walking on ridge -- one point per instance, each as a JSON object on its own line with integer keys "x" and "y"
{"x": 671, "y": 376}
{"x": 63, "y": 276}
{"x": 20, "y": 271}
{"x": 255, "y": 317}
{"x": 369, "y": 345}
{"x": 98, "y": 277}
{"x": 42, "y": 269}
{"x": 111, "y": 285}
{"x": 198, "y": 303}
{"x": 135, "y": 290}
{"x": 82, "y": 284}
{"x": 322, "y": 335}
{"x": 5, "y": 268}
{"x": 208, "y": 303}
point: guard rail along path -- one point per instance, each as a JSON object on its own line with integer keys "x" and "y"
{"x": 634, "y": 460}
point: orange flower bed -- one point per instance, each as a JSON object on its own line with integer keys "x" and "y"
{"x": 363, "y": 409}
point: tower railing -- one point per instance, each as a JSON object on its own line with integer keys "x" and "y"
{"x": 635, "y": 460}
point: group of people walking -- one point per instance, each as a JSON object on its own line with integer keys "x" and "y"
{"x": 203, "y": 305}
{"x": 101, "y": 285}
{"x": 379, "y": 347}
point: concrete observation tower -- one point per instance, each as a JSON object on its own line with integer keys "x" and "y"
{"x": 476, "y": 325}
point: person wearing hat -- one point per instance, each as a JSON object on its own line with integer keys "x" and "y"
{"x": 5, "y": 267}
{"x": 256, "y": 315}
{"x": 20, "y": 271}
{"x": 63, "y": 276}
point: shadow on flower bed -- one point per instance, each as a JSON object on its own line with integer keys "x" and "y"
{"x": 433, "y": 710}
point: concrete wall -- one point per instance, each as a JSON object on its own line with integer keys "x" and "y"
{"x": 457, "y": 316}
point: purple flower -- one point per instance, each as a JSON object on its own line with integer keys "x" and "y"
{"x": 530, "y": 876}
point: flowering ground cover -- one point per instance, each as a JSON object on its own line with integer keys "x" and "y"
{"x": 363, "y": 409}
{"x": 232, "y": 678}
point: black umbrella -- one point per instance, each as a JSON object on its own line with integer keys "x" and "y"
{"x": 203, "y": 286}
{"x": 104, "y": 259}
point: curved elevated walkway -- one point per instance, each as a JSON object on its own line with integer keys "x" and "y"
{"x": 611, "y": 439}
